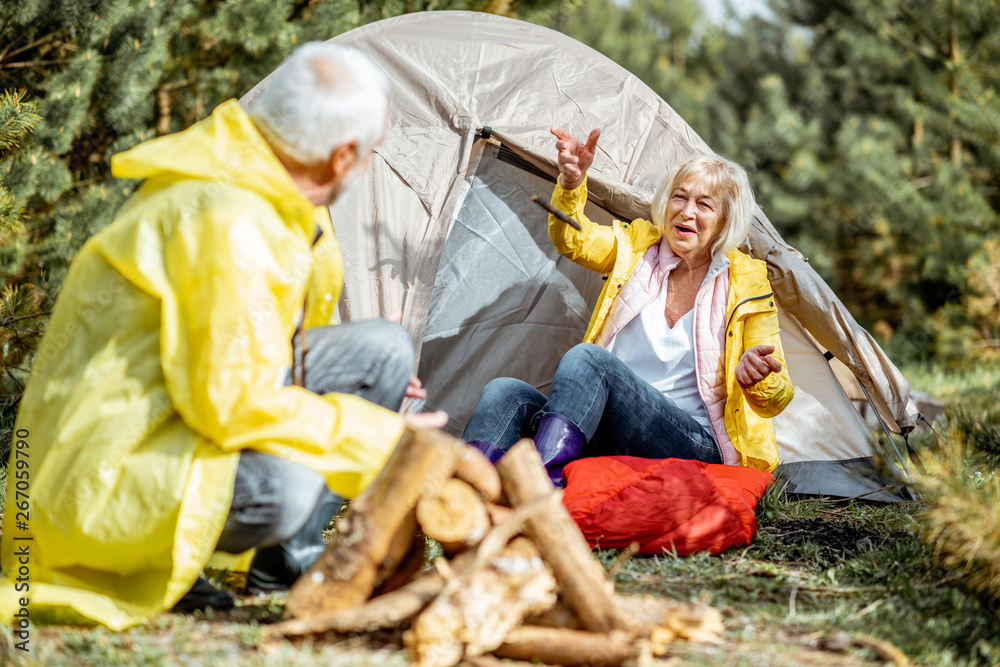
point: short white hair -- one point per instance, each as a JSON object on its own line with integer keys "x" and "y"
{"x": 323, "y": 95}
{"x": 726, "y": 180}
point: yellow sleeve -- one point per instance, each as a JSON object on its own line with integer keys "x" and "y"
{"x": 772, "y": 394}
{"x": 595, "y": 246}
{"x": 234, "y": 275}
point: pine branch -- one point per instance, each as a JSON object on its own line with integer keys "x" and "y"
{"x": 40, "y": 63}
{"x": 930, "y": 55}
{"x": 4, "y": 54}
{"x": 16, "y": 117}
{"x": 965, "y": 78}
{"x": 16, "y": 318}
{"x": 11, "y": 376}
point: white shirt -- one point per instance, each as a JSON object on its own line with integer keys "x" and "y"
{"x": 663, "y": 356}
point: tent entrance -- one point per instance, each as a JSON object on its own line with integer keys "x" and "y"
{"x": 504, "y": 303}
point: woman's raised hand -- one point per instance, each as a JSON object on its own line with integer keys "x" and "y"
{"x": 575, "y": 157}
{"x": 756, "y": 364}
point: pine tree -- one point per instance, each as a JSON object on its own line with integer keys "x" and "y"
{"x": 17, "y": 118}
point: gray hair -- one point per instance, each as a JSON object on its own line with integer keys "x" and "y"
{"x": 728, "y": 181}
{"x": 322, "y": 96}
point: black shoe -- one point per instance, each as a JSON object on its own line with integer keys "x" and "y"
{"x": 275, "y": 569}
{"x": 204, "y": 595}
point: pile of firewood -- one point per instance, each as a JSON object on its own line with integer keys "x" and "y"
{"x": 518, "y": 580}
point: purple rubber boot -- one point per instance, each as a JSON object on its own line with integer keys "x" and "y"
{"x": 558, "y": 441}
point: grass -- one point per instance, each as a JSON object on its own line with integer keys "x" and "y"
{"x": 824, "y": 582}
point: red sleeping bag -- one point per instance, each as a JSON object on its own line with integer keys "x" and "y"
{"x": 672, "y": 505}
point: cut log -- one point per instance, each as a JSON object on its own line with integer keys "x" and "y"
{"x": 411, "y": 564}
{"x": 399, "y": 549}
{"x": 346, "y": 574}
{"x": 498, "y": 513}
{"x": 640, "y": 615}
{"x": 386, "y": 611}
{"x": 582, "y": 581}
{"x": 393, "y": 609}
{"x": 476, "y": 470}
{"x": 454, "y": 516}
{"x": 490, "y": 661}
{"x": 557, "y": 646}
{"x": 477, "y": 609}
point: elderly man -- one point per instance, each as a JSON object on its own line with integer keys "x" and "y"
{"x": 168, "y": 414}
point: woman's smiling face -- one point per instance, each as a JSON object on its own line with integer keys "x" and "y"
{"x": 694, "y": 220}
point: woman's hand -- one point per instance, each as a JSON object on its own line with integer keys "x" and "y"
{"x": 575, "y": 157}
{"x": 756, "y": 364}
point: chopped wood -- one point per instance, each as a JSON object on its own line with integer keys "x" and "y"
{"x": 385, "y": 611}
{"x": 476, "y": 470}
{"x": 346, "y": 573}
{"x": 582, "y": 580}
{"x": 498, "y": 513}
{"x": 541, "y": 597}
{"x": 558, "y": 646}
{"x": 490, "y": 661}
{"x": 393, "y": 609}
{"x": 411, "y": 564}
{"x": 641, "y": 615}
{"x": 453, "y": 515}
{"x": 700, "y": 625}
{"x": 477, "y": 609}
{"x": 399, "y": 548}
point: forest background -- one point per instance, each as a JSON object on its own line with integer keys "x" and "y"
{"x": 869, "y": 128}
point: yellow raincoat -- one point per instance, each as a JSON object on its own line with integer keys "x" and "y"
{"x": 162, "y": 361}
{"x": 752, "y": 318}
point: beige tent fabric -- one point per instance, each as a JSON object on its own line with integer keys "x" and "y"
{"x": 456, "y": 72}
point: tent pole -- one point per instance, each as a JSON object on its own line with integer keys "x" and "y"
{"x": 892, "y": 441}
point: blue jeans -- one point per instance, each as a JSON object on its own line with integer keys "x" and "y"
{"x": 618, "y": 412}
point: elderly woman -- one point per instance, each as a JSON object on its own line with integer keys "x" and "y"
{"x": 682, "y": 357}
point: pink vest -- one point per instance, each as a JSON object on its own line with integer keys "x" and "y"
{"x": 709, "y": 343}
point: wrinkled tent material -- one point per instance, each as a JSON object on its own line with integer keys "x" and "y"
{"x": 443, "y": 227}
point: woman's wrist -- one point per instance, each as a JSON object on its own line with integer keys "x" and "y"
{"x": 566, "y": 184}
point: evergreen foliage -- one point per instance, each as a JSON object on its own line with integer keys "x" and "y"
{"x": 17, "y": 118}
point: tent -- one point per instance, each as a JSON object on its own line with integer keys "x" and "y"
{"x": 443, "y": 227}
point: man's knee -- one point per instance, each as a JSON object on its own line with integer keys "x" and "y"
{"x": 396, "y": 344}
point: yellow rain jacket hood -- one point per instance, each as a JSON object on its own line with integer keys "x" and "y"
{"x": 164, "y": 359}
